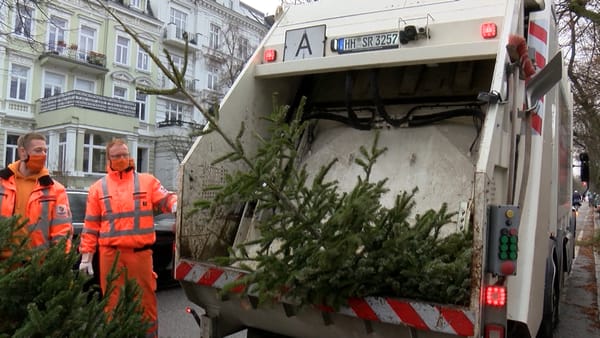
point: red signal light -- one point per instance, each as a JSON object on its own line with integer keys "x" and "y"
{"x": 495, "y": 296}
{"x": 489, "y": 30}
{"x": 270, "y": 55}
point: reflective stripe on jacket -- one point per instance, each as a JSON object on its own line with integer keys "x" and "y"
{"x": 48, "y": 212}
{"x": 120, "y": 210}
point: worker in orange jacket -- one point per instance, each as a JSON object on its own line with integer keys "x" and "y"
{"x": 119, "y": 219}
{"x": 26, "y": 189}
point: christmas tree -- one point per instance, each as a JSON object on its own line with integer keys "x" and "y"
{"x": 43, "y": 295}
{"x": 319, "y": 245}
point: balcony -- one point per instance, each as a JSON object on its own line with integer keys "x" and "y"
{"x": 174, "y": 37}
{"x": 179, "y": 123}
{"x": 213, "y": 54}
{"x": 87, "y": 108}
{"x": 81, "y": 99}
{"x": 89, "y": 62}
{"x": 191, "y": 85}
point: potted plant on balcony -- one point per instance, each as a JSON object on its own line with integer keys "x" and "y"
{"x": 95, "y": 58}
{"x": 73, "y": 46}
{"x": 61, "y": 43}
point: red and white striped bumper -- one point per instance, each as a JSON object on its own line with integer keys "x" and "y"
{"x": 423, "y": 316}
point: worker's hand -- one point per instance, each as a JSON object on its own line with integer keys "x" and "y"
{"x": 86, "y": 263}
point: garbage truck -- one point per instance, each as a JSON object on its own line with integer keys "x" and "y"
{"x": 472, "y": 101}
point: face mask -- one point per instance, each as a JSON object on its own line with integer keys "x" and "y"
{"x": 120, "y": 164}
{"x": 35, "y": 163}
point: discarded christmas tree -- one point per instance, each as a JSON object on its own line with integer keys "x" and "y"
{"x": 318, "y": 245}
{"x": 41, "y": 295}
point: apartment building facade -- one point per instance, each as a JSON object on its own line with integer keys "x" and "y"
{"x": 221, "y": 35}
{"x": 71, "y": 72}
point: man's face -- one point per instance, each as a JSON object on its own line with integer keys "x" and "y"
{"x": 118, "y": 151}
{"x": 35, "y": 147}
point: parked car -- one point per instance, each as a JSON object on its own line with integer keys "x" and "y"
{"x": 162, "y": 250}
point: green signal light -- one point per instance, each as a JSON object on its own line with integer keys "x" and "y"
{"x": 513, "y": 255}
{"x": 504, "y": 239}
{"x": 503, "y": 256}
{"x": 504, "y": 247}
{"x": 513, "y": 247}
{"x": 514, "y": 239}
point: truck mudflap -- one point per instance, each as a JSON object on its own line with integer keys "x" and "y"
{"x": 446, "y": 319}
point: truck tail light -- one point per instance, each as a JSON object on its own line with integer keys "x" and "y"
{"x": 489, "y": 30}
{"x": 494, "y": 331}
{"x": 495, "y": 296}
{"x": 270, "y": 55}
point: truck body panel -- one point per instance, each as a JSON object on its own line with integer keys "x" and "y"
{"x": 516, "y": 154}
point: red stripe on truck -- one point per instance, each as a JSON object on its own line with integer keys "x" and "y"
{"x": 461, "y": 324}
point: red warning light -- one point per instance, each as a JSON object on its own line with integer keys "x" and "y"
{"x": 270, "y": 55}
{"x": 495, "y": 296}
{"x": 489, "y": 30}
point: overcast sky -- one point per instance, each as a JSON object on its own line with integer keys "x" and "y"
{"x": 265, "y": 6}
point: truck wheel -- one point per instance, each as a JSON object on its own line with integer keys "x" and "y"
{"x": 551, "y": 301}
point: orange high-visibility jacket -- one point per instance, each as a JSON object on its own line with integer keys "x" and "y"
{"x": 48, "y": 213}
{"x": 120, "y": 210}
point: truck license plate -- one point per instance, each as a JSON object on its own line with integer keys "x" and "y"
{"x": 367, "y": 42}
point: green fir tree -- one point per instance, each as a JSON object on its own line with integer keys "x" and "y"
{"x": 322, "y": 246}
{"x": 43, "y": 295}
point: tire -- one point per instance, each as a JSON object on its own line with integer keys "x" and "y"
{"x": 551, "y": 300}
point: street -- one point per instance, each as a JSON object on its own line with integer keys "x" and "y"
{"x": 579, "y": 299}
{"x": 173, "y": 320}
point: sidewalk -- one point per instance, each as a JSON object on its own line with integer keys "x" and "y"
{"x": 579, "y": 304}
{"x": 597, "y": 258}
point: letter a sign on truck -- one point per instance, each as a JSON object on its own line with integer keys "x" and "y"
{"x": 304, "y": 43}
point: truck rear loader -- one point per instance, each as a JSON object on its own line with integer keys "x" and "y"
{"x": 471, "y": 100}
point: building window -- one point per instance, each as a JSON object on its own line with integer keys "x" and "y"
{"x": 56, "y": 34}
{"x": 174, "y": 111}
{"x": 177, "y": 61}
{"x": 213, "y": 40}
{"x": 85, "y": 85}
{"x": 141, "y": 104}
{"x": 94, "y": 153}
{"x": 122, "y": 51}
{"x": 120, "y": 92}
{"x": 213, "y": 78}
{"x": 11, "y": 153}
{"x": 62, "y": 152}
{"x": 53, "y": 84}
{"x": 243, "y": 48}
{"x": 178, "y": 18}
{"x": 142, "y": 160}
{"x": 87, "y": 41}
{"x": 137, "y": 4}
{"x": 143, "y": 59}
{"x": 23, "y": 20}
{"x": 18, "y": 82}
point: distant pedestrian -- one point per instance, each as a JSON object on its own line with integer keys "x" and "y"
{"x": 576, "y": 199}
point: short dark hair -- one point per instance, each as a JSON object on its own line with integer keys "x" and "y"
{"x": 24, "y": 140}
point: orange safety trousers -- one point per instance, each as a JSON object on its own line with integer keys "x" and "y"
{"x": 136, "y": 265}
